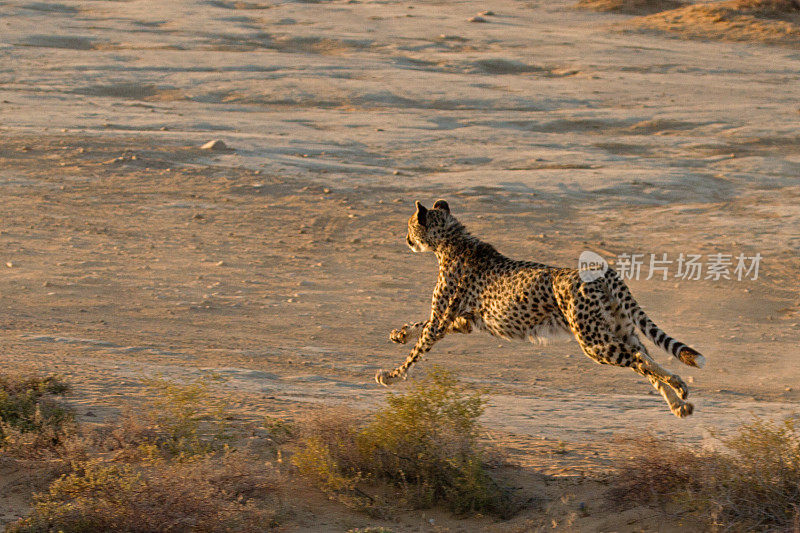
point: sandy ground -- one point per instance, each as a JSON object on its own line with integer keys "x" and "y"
{"x": 126, "y": 251}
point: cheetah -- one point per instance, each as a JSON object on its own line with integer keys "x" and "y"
{"x": 479, "y": 288}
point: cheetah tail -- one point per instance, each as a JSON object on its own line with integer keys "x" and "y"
{"x": 622, "y": 294}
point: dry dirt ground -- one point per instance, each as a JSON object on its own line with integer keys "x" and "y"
{"x": 127, "y": 252}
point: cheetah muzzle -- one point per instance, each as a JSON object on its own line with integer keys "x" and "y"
{"x": 479, "y": 288}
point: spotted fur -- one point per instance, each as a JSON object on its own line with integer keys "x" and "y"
{"x": 479, "y": 288}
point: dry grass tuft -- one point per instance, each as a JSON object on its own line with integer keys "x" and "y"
{"x": 766, "y": 21}
{"x": 630, "y": 7}
{"x": 423, "y": 444}
{"x": 206, "y": 493}
{"x": 777, "y": 9}
{"x": 752, "y": 484}
{"x": 168, "y": 466}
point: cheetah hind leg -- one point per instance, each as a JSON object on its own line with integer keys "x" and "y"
{"x": 679, "y": 408}
{"x": 673, "y": 380}
{"x": 671, "y": 386}
{"x": 663, "y": 375}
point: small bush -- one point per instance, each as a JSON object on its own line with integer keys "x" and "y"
{"x": 424, "y": 443}
{"x": 751, "y": 484}
{"x": 31, "y": 421}
{"x": 179, "y": 420}
{"x": 206, "y": 493}
{"x": 185, "y": 415}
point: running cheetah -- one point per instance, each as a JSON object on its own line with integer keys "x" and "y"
{"x": 479, "y": 288}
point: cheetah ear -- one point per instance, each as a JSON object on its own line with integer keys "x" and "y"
{"x": 441, "y": 204}
{"x": 422, "y": 213}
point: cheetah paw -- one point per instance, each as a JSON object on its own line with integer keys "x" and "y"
{"x": 683, "y": 410}
{"x": 679, "y": 386}
{"x": 386, "y": 378}
{"x": 400, "y": 336}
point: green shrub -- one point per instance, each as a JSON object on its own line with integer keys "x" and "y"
{"x": 31, "y": 420}
{"x": 424, "y": 443}
{"x": 751, "y": 484}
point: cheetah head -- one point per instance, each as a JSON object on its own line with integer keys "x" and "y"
{"x": 428, "y": 226}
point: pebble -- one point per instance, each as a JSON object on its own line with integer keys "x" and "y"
{"x": 9, "y": 264}
{"x": 216, "y": 144}
{"x": 221, "y": 263}
{"x": 487, "y": 13}
{"x": 477, "y": 19}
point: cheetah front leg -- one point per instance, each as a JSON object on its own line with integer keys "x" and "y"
{"x": 401, "y": 335}
{"x": 433, "y": 331}
{"x": 443, "y": 316}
